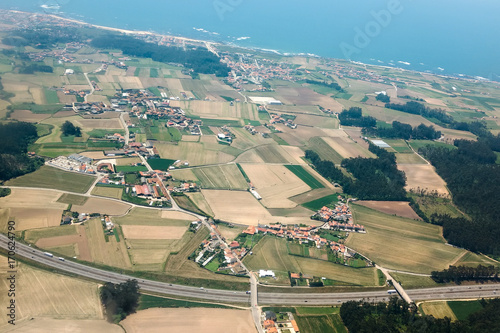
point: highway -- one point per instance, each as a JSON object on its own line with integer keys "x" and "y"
{"x": 228, "y": 296}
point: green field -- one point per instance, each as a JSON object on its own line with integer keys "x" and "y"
{"x": 72, "y": 199}
{"x": 272, "y": 253}
{"x": 160, "y": 163}
{"x": 400, "y": 243}
{"x": 51, "y": 96}
{"x": 305, "y": 176}
{"x": 131, "y": 168}
{"x": 323, "y": 323}
{"x": 319, "y": 203}
{"x": 49, "y": 177}
{"x": 414, "y": 281}
{"x": 462, "y": 309}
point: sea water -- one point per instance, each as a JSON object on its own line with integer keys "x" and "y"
{"x": 440, "y": 36}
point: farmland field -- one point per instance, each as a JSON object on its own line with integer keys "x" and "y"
{"x": 200, "y": 320}
{"x": 199, "y": 200}
{"x": 272, "y": 253}
{"x": 221, "y": 177}
{"x": 400, "y": 243}
{"x": 300, "y": 172}
{"x": 103, "y": 206}
{"x": 317, "y": 204}
{"x": 438, "y": 310}
{"x": 275, "y": 183}
{"x": 72, "y": 199}
{"x": 49, "y": 177}
{"x": 32, "y": 218}
{"x": 194, "y": 152}
{"x": 160, "y": 163}
{"x": 414, "y": 281}
{"x": 321, "y": 323}
{"x": 43, "y": 294}
{"x": 143, "y": 216}
{"x": 346, "y": 147}
{"x": 69, "y": 244}
{"x": 108, "y": 192}
{"x": 423, "y": 176}
{"x": 324, "y": 150}
{"x": 399, "y": 208}
{"x": 243, "y": 208}
{"x": 110, "y": 253}
{"x": 131, "y": 168}
{"x": 462, "y": 309}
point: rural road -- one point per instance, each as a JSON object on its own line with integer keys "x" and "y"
{"x": 289, "y": 298}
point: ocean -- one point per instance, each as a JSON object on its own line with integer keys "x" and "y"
{"x": 439, "y": 36}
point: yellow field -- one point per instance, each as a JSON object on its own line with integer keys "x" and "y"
{"x": 221, "y": 177}
{"x": 190, "y": 320}
{"x": 346, "y": 147}
{"x": 127, "y": 160}
{"x": 103, "y": 206}
{"x": 195, "y": 153}
{"x": 152, "y": 232}
{"x": 199, "y": 200}
{"x": 48, "y": 325}
{"x": 317, "y": 121}
{"x": 230, "y": 233}
{"x": 110, "y": 253}
{"x": 400, "y": 243}
{"x": 27, "y": 115}
{"x": 33, "y": 218}
{"x": 109, "y": 192}
{"x": 275, "y": 183}
{"x": 438, "y": 310}
{"x": 43, "y": 294}
{"x": 423, "y": 176}
{"x": 183, "y": 174}
{"x": 243, "y": 208}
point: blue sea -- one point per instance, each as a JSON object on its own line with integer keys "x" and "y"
{"x": 439, "y": 36}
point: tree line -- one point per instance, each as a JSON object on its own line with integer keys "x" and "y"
{"x": 403, "y": 131}
{"x": 458, "y": 274}
{"x": 397, "y": 316}
{"x": 334, "y": 85}
{"x": 199, "y": 60}
{"x": 15, "y": 138}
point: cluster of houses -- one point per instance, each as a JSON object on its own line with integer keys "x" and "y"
{"x": 278, "y": 119}
{"x": 91, "y": 107}
{"x": 338, "y": 218}
{"x": 74, "y": 162}
{"x": 246, "y": 68}
{"x": 135, "y": 149}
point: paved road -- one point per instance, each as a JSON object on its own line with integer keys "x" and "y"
{"x": 455, "y": 292}
{"x": 256, "y": 311}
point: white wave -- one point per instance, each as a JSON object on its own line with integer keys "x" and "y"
{"x": 404, "y": 63}
{"x": 242, "y": 38}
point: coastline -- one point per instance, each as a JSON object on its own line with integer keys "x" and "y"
{"x": 283, "y": 54}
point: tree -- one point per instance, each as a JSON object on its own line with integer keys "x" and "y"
{"x": 383, "y": 98}
{"x": 120, "y": 300}
{"x": 69, "y": 129}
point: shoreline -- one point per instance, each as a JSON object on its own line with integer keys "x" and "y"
{"x": 456, "y": 76}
